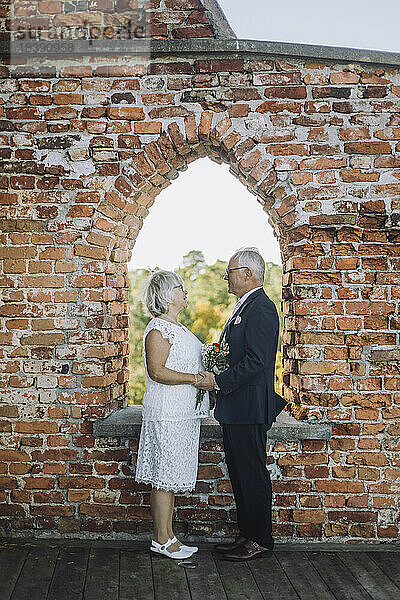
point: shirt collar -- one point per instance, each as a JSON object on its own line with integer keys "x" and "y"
{"x": 245, "y": 296}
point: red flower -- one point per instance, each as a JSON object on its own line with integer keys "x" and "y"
{"x": 216, "y": 348}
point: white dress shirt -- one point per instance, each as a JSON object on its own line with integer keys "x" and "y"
{"x": 244, "y": 298}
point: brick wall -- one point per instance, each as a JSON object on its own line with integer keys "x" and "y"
{"x": 107, "y": 19}
{"x": 87, "y": 145}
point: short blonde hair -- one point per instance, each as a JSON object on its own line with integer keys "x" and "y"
{"x": 158, "y": 291}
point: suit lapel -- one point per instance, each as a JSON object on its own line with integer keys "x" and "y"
{"x": 228, "y": 324}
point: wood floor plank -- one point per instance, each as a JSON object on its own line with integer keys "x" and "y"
{"x": 102, "y": 576}
{"x": 12, "y": 559}
{"x": 70, "y": 573}
{"x": 136, "y": 577}
{"x": 389, "y": 563}
{"x": 238, "y": 581}
{"x": 67, "y": 571}
{"x": 339, "y": 579}
{"x": 36, "y": 574}
{"x": 169, "y": 579}
{"x": 370, "y": 576}
{"x": 272, "y": 579}
{"x": 305, "y": 579}
{"x": 204, "y": 580}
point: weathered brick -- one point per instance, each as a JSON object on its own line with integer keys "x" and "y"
{"x": 130, "y": 113}
{"x": 217, "y": 66}
{"x": 368, "y": 148}
{"x": 309, "y": 516}
{"x": 205, "y": 125}
{"x": 66, "y": 332}
{"x": 273, "y": 106}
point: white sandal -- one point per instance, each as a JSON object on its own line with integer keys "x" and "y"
{"x": 162, "y": 549}
{"x": 184, "y": 547}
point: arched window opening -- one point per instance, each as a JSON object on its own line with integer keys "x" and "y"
{"x": 194, "y": 227}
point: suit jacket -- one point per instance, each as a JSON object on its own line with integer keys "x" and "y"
{"x": 247, "y": 391}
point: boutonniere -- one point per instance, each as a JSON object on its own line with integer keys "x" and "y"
{"x": 237, "y": 320}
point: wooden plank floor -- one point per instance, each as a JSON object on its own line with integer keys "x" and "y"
{"x": 84, "y": 570}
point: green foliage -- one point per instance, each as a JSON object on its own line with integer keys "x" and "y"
{"x": 138, "y": 319}
{"x": 209, "y": 307}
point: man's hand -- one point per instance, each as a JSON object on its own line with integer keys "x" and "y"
{"x": 213, "y": 398}
{"x": 207, "y": 383}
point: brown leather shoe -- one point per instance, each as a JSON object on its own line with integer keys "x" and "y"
{"x": 248, "y": 550}
{"x": 228, "y": 547}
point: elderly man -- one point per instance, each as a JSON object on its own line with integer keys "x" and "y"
{"x": 247, "y": 403}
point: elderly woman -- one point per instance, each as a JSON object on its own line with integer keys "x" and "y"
{"x": 169, "y": 439}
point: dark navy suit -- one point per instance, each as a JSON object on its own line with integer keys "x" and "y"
{"x": 247, "y": 405}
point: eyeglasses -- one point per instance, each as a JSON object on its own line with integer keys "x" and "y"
{"x": 180, "y": 286}
{"x": 227, "y": 271}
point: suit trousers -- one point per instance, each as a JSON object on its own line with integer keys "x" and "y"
{"x": 245, "y": 455}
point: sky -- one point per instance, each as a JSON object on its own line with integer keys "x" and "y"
{"x": 206, "y": 208}
{"x": 370, "y": 24}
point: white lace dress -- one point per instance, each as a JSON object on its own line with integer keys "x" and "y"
{"x": 169, "y": 438}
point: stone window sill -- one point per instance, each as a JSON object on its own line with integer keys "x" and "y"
{"x": 126, "y": 423}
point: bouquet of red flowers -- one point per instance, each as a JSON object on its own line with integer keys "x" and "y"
{"x": 216, "y": 360}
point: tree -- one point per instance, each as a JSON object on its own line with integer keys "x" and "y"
{"x": 138, "y": 319}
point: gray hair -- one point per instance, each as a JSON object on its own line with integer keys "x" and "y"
{"x": 158, "y": 291}
{"x": 251, "y": 258}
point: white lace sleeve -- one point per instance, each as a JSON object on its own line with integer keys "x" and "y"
{"x": 166, "y": 329}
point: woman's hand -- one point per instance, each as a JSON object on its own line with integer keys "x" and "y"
{"x": 208, "y": 381}
{"x": 198, "y": 378}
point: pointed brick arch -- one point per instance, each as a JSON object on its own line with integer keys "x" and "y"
{"x": 120, "y": 213}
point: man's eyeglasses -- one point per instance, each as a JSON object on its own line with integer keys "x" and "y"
{"x": 228, "y": 271}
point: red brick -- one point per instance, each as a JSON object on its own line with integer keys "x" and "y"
{"x": 205, "y": 125}
{"x": 294, "y": 92}
{"x": 273, "y": 106}
{"x": 147, "y": 128}
{"x": 125, "y": 70}
{"x": 367, "y": 458}
{"x": 103, "y": 511}
{"x": 209, "y": 472}
{"x": 22, "y": 113}
{"x": 353, "y": 516}
{"x": 138, "y": 512}
{"x": 309, "y": 516}
{"x": 193, "y": 32}
{"x": 287, "y": 149}
{"x": 81, "y": 482}
{"x": 367, "y": 148}
{"x": 303, "y": 459}
{"x": 8, "y": 483}
{"x": 39, "y": 483}
{"x": 158, "y": 98}
{"x": 36, "y": 427}
{"x": 388, "y": 531}
{"x": 129, "y": 113}
{"x": 170, "y": 68}
{"x": 218, "y": 66}
{"x": 345, "y": 77}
